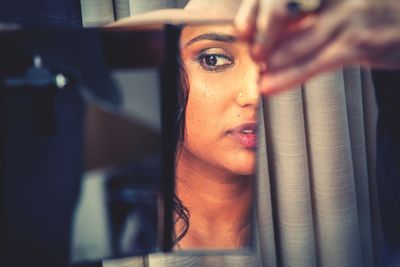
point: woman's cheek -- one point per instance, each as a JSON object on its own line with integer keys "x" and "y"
{"x": 203, "y": 98}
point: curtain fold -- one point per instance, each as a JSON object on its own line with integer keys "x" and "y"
{"x": 370, "y": 109}
{"x": 331, "y": 170}
{"x": 287, "y": 151}
{"x": 121, "y": 8}
{"x": 97, "y": 12}
{"x": 355, "y": 113}
{"x": 264, "y": 223}
{"x": 100, "y": 12}
{"x": 172, "y": 260}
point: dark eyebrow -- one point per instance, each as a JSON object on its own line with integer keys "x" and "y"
{"x": 213, "y": 36}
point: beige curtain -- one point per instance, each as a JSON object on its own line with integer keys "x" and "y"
{"x": 317, "y": 156}
{"x": 316, "y": 204}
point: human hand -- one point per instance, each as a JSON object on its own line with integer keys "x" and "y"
{"x": 296, "y": 48}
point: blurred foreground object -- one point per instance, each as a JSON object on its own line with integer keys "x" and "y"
{"x": 342, "y": 32}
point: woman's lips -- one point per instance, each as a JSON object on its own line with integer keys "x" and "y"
{"x": 246, "y": 135}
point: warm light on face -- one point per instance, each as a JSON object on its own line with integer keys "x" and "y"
{"x": 221, "y": 113}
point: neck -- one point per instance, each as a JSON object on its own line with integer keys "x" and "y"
{"x": 219, "y": 204}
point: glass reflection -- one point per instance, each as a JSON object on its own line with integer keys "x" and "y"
{"x": 121, "y": 189}
{"x": 216, "y": 153}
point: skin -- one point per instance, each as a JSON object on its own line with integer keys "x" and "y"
{"x": 340, "y": 32}
{"x": 214, "y": 170}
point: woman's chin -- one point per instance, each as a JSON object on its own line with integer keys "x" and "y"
{"x": 244, "y": 165}
{"x": 246, "y": 172}
{"x": 244, "y": 169}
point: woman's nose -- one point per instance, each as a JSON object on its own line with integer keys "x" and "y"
{"x": 248, "y": 93}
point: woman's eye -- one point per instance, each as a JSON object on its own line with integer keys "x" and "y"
{"x": 213, "y": 62}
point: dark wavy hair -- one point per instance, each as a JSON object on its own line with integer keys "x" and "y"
{"x": 181, "y": 213}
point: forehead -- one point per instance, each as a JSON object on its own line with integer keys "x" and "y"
{"x": 190, "y": 32}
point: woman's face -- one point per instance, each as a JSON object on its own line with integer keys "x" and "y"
{"x": 221, "y": 112}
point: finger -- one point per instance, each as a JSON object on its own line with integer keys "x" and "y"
{"x": 303, "y": 43}
{"x": 245, "y": 19}
{"x": 323, "y": 61}
{"x": 272, "y": 18}
{"x": 276, "y": 18}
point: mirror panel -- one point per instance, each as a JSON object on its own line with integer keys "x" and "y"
{"x": 166, "y": 148}
{"x": 217, "y": 145}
